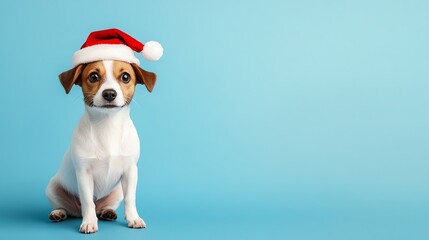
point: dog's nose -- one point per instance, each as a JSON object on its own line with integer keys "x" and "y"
{"x": 109, "y": 94}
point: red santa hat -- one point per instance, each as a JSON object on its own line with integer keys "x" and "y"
{"x": 113, "y": 44}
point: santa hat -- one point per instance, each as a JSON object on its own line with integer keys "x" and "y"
{"x": 113, "y": 44}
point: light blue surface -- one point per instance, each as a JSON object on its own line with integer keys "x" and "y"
{"x": 269, "y": 120}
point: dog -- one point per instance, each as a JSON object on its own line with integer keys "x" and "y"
{"x": 99, "y": 169}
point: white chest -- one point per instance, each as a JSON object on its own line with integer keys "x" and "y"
{"x": 105, "y": 149}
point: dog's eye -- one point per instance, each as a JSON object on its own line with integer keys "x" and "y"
{"x": 93, "y": 77}
{"x": 125, "y": 77}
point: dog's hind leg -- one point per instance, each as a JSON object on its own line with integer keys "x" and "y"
{"x": 64, "y": 203}
{"x": 58, "y": 215}
{"x": 105, "y": 207}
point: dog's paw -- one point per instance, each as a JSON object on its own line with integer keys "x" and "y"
{"x": 58, "y": 215}
{"x": 88, "y": 227}
{"x": 108, "y": 215}
{"x": 136, "y": 223}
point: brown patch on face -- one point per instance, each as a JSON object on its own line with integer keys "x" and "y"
{"x": 80, "y": 76}
{"x": 127, "y": 88}
{"x": 89, "y": 88}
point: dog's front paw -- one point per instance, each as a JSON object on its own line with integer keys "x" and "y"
{"x": 136, "y": 223}
{"x": 88, "y": 227}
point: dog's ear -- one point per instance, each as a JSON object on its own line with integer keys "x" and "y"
{"x": 144, "y": 77}
{"x": 68, "y": 78}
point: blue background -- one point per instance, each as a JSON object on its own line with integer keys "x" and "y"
{"x": 270, "y": 119}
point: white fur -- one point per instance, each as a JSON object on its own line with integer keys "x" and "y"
{"x": 98, "y": 52}
{"x": 109, "y": 83}
{"x": 152, "y": 51}
{"x": 102, "y": 156}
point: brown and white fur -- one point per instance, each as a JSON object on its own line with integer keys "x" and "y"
{"x": 99, "y": 169}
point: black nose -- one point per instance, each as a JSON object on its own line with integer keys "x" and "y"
{"x": 109, "y": 94}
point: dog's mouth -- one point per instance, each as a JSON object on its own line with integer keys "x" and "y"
{"x": 109, "y": 106}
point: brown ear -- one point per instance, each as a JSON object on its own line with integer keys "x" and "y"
{"x": 144, "y": 77}
{"x": 68, "y": 78}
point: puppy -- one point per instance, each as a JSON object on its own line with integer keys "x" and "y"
{"x": 99, "y": 169}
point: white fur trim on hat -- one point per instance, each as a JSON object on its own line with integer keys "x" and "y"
{"x": 152, "y": 51}
{"x": 99, "y": 52}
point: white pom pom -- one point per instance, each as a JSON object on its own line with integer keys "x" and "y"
{"x": 152, "y": 51}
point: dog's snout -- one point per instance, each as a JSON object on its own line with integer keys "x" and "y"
{"x": 109, "y": 94}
